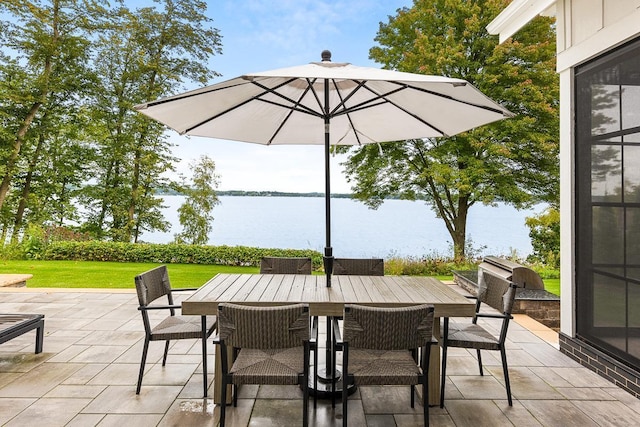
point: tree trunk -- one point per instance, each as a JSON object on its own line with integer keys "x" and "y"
{"x": 26, "y": 190}
{"x": 15, "y": 152}
{"x": 26, "y": 123}
{"x": 459, "y": 235}
{"x": 135, "y": 195}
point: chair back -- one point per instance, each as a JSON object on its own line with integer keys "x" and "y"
{"x": 398, "y": 328}
{"x": 152, "y": 285}
{"x": 358, "y": 266}
{"x": 497, "y": 292}
{"x": 283, "y": 265}
{"x": 280, "y": 327}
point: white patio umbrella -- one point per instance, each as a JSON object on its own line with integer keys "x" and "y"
{"x": 327, "y": 103}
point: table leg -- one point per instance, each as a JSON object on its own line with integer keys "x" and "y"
{"x": 217, "y": 379}
{"x": 434, "y": 367}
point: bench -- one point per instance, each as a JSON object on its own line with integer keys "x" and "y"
{"x": 14, "y": 280}
{"x": 531, "y": 297}
{"x": 14, "y": 325}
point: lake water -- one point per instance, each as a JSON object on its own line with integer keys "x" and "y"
{"x": 398, "y": 227}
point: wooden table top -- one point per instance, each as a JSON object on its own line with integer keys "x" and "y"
{"x": 275, "y": 289}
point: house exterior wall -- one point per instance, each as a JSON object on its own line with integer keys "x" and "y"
{"x": 586, "y": 29}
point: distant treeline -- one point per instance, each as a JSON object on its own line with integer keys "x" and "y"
{"x": 263, "y": 194}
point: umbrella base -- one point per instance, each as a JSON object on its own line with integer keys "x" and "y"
{"x": 324, "y": 389}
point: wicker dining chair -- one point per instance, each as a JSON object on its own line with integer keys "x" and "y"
{"x": 151, "y": 286}
{"x": 351, "y": 267}
{"x": 271, "y": 346}
{"x": 498, "y": 294}
{"x": 284, "y": 265}
{"x": 293, "y": 265}
{"x": 358, "y": 266}
{"x": 380, "y": 347}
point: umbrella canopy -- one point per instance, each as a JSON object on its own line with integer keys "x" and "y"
{"x": 327, "y": 103}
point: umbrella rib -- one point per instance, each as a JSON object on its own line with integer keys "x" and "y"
{"x": 382, "y": 99}
{"x": 441, "y": 95}
{"x": 296, "y": 104}
{"x": 360, "y": 84}
{"x": 257, "y": 98}
{"x": 189, "y": 129}
{"x": 342, "y": 102}
{"x": 185, "y": 96}
{"x": 294, "y": 107}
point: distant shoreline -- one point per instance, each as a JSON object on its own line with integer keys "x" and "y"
{"x": 242, "y": 193}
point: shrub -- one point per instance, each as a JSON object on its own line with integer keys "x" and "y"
{"x": 169, "y": 253}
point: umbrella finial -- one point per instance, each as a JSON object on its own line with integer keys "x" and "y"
{"x": 326, "y": 56}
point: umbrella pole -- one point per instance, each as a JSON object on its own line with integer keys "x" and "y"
{"x": 328, "y": 250}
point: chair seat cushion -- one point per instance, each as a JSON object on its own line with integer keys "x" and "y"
{"x": 181, "y": 327}
{"x": 269, "y": 366}
{"x": 470, "y": 335}
{"x": 373, "y": 367}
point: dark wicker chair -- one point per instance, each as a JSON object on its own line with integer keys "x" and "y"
{"x": 380, "y": 347}
{"x": 271, "y": 346}
{"x": 498, "y": 294}
{"x": 292, "y": 265}
{"x": 358, "y": 266}
{"x": 352, "y": 267}
{"x": 151, "y": 286}
{"x": 282, "y": 265}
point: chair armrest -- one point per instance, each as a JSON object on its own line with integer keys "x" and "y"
{"x": 471, "y": 296}
{"x": 183, "y": 289}
{"x": 158, "y": 307}
{"x": 217, "y": 340}
{"x": 495, "y": 315}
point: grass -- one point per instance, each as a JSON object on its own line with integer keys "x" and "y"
{"x": 110, "y": 275}
{"x": 119, "y": 275}
{"x": 552, "y": 285}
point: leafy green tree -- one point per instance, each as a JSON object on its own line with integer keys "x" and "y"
{"x": 544, "y": 230}
{"x": 141, "y": 55}
{"x": 195, "y": 214}
{"x": 42, "y": 75}
{"x": 514, "y": 161}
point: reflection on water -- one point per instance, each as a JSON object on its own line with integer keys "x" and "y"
{"x": 398, "y": 227}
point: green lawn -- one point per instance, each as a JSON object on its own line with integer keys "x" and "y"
{"x": 95, "y": 274}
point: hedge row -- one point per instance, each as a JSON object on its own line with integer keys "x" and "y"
{"x": 169, "y": 253}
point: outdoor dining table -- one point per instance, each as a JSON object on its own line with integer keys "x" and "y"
{"x": 380, "y": 291}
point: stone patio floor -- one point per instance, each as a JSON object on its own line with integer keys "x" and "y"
{"x": 93, "y": 339}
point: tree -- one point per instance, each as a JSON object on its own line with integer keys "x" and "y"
{"x": 42, "y": 75}
{"x": 196, "y": 213}
{"x": 514, "y": 161}
{"x": 141, "y": 55}
{"x": 544, "y": 230}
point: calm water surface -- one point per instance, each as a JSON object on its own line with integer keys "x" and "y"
{"x": 398, "y": 227}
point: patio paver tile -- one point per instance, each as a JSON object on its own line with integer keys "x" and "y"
{"x": 123, "y": 400}
{"x": 476, "y": 413}
{"x": 50, "y": 412}
{"x": 87, "y": 373}
{"x": 40, "y": 380}
{"x": 558, "y": 412}
{"x": 10, "y": 407}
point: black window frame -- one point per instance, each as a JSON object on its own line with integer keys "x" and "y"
{"x": 602, "y": 336}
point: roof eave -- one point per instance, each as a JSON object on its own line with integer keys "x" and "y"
{"x": 517, "y": 15}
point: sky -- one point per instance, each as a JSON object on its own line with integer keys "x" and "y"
{"x": 261, "y": 35}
